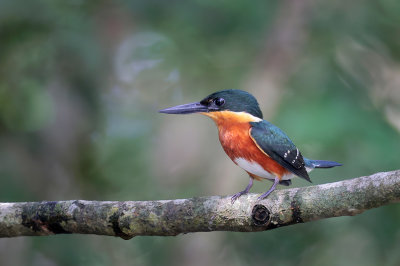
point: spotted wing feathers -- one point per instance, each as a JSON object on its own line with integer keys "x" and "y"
{"x": 276, "y": 144}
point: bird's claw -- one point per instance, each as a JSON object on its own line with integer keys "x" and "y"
{"x": 236, "y": 196}
{"x": 266, "y": 194}
{"x": 261, "y": 197}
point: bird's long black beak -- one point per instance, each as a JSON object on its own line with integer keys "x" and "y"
{"x": 188, "y": 108}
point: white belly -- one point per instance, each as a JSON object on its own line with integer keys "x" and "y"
{"x": 256, "y": 169}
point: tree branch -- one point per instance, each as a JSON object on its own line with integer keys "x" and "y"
{"x": 172, "y": 217}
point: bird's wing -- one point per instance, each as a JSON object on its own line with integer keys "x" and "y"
{"x": 276, "y": 144}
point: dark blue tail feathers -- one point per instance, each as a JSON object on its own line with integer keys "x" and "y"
{"x": 320, "y": 163}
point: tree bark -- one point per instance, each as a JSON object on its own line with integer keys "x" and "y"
{"x": 127, "y": 219}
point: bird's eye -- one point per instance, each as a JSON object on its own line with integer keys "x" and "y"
{"x": 219, "y": 101}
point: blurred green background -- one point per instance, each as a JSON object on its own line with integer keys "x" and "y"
{"x": 81, "y": 83}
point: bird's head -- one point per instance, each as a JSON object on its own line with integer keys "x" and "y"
{"x": 221, "y": 102}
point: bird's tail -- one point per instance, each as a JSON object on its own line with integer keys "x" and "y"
{"x": 320, "y": 163}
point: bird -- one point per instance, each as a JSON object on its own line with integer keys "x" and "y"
{"x": 260, "y": 148}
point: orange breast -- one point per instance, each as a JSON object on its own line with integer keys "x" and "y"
{"x": 234, "y": 135}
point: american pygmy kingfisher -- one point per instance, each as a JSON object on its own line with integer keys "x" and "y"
{"x": 260, "y": 148}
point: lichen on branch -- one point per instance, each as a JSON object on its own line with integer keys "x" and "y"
{"x": 127, "y": 219}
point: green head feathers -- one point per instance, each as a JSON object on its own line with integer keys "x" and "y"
{"x": 226, "y": 100}
{"x": 232, "y": 100}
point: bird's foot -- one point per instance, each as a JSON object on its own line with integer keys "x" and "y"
{"x": 263, "y": 196}
{"x": 237, "y": 195}
{"x": 246, "y": 190}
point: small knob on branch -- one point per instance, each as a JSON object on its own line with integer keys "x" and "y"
{"x": 260, "y": 215}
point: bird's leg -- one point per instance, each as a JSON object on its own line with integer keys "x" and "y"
{"x": 246, "y": 190}
{"x": 263, "y": 196}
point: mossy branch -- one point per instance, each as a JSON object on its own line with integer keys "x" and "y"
{"x": 172, "y": 217}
